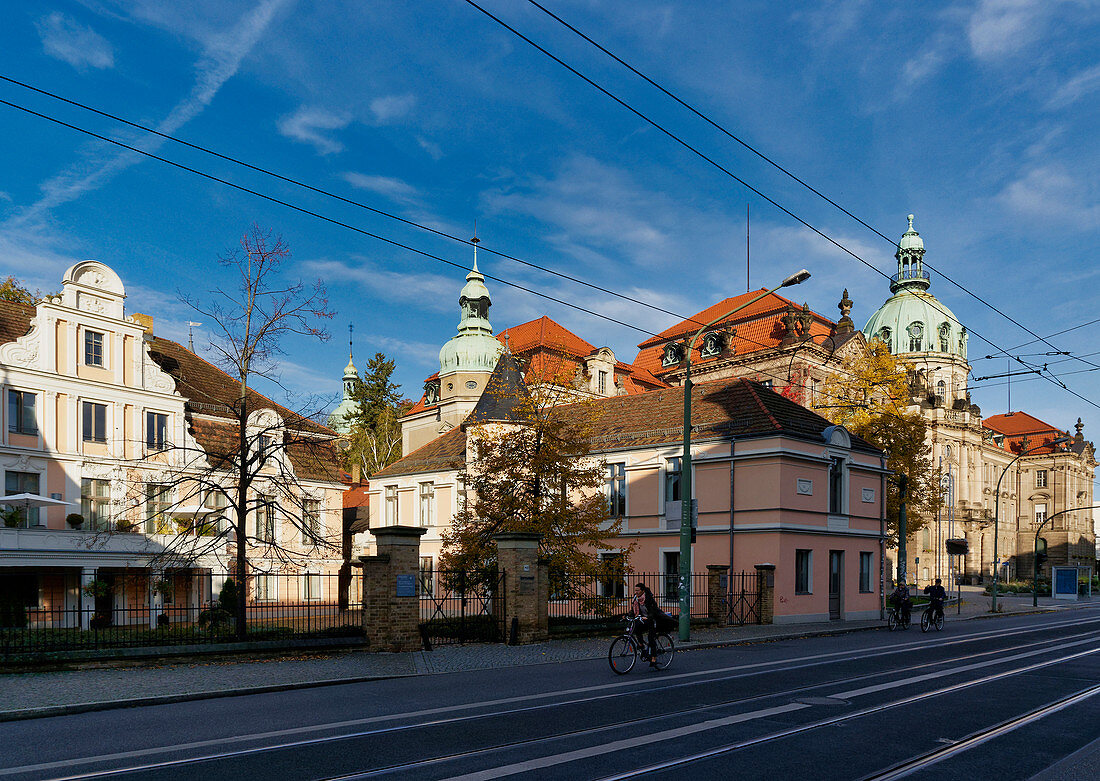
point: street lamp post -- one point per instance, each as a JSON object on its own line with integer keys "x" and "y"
{"x": 997, "y": 509}
{"x": 685, "y": 462}
{"x": 1035, "y": 576}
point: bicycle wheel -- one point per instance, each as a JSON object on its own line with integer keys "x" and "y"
{"x": 891, "y": 620}
{"x": 666, "y": 649}
{"x": 906, "y": 620}
{"x": 622, "y": 655}
{"x": 939, "y": 621}
{"x": 924, "y": 620}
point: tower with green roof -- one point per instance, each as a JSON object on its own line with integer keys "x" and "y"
{"x": 340, "y": 419}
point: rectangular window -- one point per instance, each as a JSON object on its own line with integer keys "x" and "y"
{"x": 267, "y": 588}
{"x": 427, "y": 503}
{"x": 20, "y": 483}
{"x": 93, "y": 348}
{"x": 156, "y": 430}
{"x": 426, "y": 584}
{"x": 311, "y": 521}
{"x": 266, "y": 446}
{"x": 616, "y": 490}
{"x": 836, "y": 486}
{"x": 603, "y": 383}
{"x": 95, "y": 503}
{"x": 462, "y": 497}
{"x": 21, "y": 417}
{"x": 1040, "y": 478}
{"x": 926, "y": 538}
{"x": 672, "y": 574}
{"x": 391, "y": 505}
{"x": 265, "y": 519}
{"x": 672, "y": 480}
{"x": 214, "y": 520}
{"x": 95, "y": 422}
{"x": 865, "y": 560}
{"x": 1040, "y": 513}
{"x": 613, "y": 584}
{"x": 158, "y": 501}
{"x": 311, "y": 586}
{"x": 803, "y": 572}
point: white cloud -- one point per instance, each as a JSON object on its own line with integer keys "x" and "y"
{"x": 307, "y": 125}
{"x": 1049, "y": 192}
{"x": 389, "y": 108}
{"x": 1085, "y": 82}
{"x": 999, "y": 28}
{"x": 222, "y": 56}
{"x": 404, "y": 351}
{"x": 387, "y": 186}
{"x": 433, "y": 149}
{"x": 429, "y": 291}
{"x": 80, "y": 46}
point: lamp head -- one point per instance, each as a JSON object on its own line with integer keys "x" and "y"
{"x": 796, "y": 278}
{"x": 1060, "y": 441}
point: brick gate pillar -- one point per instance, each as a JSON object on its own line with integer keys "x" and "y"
{"x": 391, "y": 607}
{"x": 526, "y": 586}
{"x": 765, "y": 587}
{"x": 717, "y": 588}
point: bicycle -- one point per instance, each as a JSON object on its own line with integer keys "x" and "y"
{"x": 625, "y": 650}
{"x": 931, "y": 617}
{"x": 895, "y": 619}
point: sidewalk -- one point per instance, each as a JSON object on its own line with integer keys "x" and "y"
{"x": 113, "y": 685}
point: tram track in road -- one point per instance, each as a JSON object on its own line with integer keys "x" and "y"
{"x": 215, "y": 756}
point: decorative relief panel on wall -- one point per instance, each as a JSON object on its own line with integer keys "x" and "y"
{"x": 23, "y": 351}
{"x": 868, "y": 494}
{"x": 804, "y": 487}
{"x": 89, "y": 303}
{"x": 155, "y": 378}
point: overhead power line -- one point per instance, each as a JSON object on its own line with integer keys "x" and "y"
{"x": 367, "y": 233}
{"x": 694, "y": 150}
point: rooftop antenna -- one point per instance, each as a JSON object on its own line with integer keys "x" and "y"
{"x": 351, "y": 327}
{"x": 191, "y": 335}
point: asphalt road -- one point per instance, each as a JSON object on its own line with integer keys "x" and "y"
{"x": 1005, "y": 698}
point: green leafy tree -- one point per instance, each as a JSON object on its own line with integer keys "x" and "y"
{"x": 374, "y": 440}
{"x": 11, "y": 289}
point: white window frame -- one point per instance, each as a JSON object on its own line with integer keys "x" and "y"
{"x": 107, "y": 409}
{"x": 615, "y": 487}
{"x": 13, "y": 423}
{"x": 390, "y": 507}
{"x": 85, "y": 333}
{"x": 426, "y": 502}
{"x": 1040, "y": 478}
{"x": 311, "y": 586}
{"x": 91, "y": 502}
{"x": 311, "y": 520}
{"x": 809, "y": 571}
{"x": 152, "y": 445}
{"x": 869, "y": 558}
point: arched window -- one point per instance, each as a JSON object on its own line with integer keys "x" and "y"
{"x": 916, "y": 332}
{"x": 672, "y": 355}
{"x": 945, "y": 337}
{"x": 941, "y": 389}
{"x": 884, "y": 335}
{"x": 947, "y": 452}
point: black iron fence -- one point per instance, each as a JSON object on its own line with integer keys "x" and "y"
{"x": 583, "y": 599}
{"x": 194, "y": 608}
{"x": 461, "y": 607}
{"x": 742, "y": 598}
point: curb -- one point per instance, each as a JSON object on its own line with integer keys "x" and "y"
{"x": 166, "y": 699}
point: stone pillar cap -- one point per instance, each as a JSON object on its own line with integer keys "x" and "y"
{"x": 399, "y": 531}
{"x": 765, "y": 566}
{"x": 517, "y": 537}
{"x": 718, "y": 566}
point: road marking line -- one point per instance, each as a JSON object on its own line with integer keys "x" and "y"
{"x": 803, "y": 661}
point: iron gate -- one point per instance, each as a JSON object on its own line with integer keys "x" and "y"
{"x": 743, "y": 599}
{"x": 462, "y": 607}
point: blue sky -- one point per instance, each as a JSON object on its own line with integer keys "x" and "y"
{"x": 979, "y": 117}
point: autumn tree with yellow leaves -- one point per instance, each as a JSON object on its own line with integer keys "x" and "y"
{"x": 871, "y": 396}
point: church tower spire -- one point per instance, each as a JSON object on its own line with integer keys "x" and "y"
{"x": 911, "y": 274}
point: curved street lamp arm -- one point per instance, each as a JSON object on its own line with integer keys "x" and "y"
{"x": 1035, "y": 549}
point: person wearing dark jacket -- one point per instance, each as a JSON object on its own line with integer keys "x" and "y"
{"x": 936, "y": 596}
{"x": 645, "y": 606}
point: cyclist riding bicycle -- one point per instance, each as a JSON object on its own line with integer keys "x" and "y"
{"x": 644, "y": 606}
{"x": 901, "y": 601}
{"x": 936, "y": 596}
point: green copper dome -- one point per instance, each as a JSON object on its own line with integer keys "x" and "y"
{"x": 340, "y": 419}
{"x": 913, "y": 320}
{"x": 473, "y": 348}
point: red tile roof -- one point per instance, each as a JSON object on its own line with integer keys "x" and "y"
{"x": 719, "y": 409}
{"x": 1018, "y": 426}
{"x": 758, "y": 327}
{"x": 544, "y": 332}
{"x": 15, "y": 320}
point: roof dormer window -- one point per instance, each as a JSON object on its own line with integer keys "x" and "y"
{"x": 916, "y": 334}
{"x": 674, "y": 353}
{"x": 712, "y": 345}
